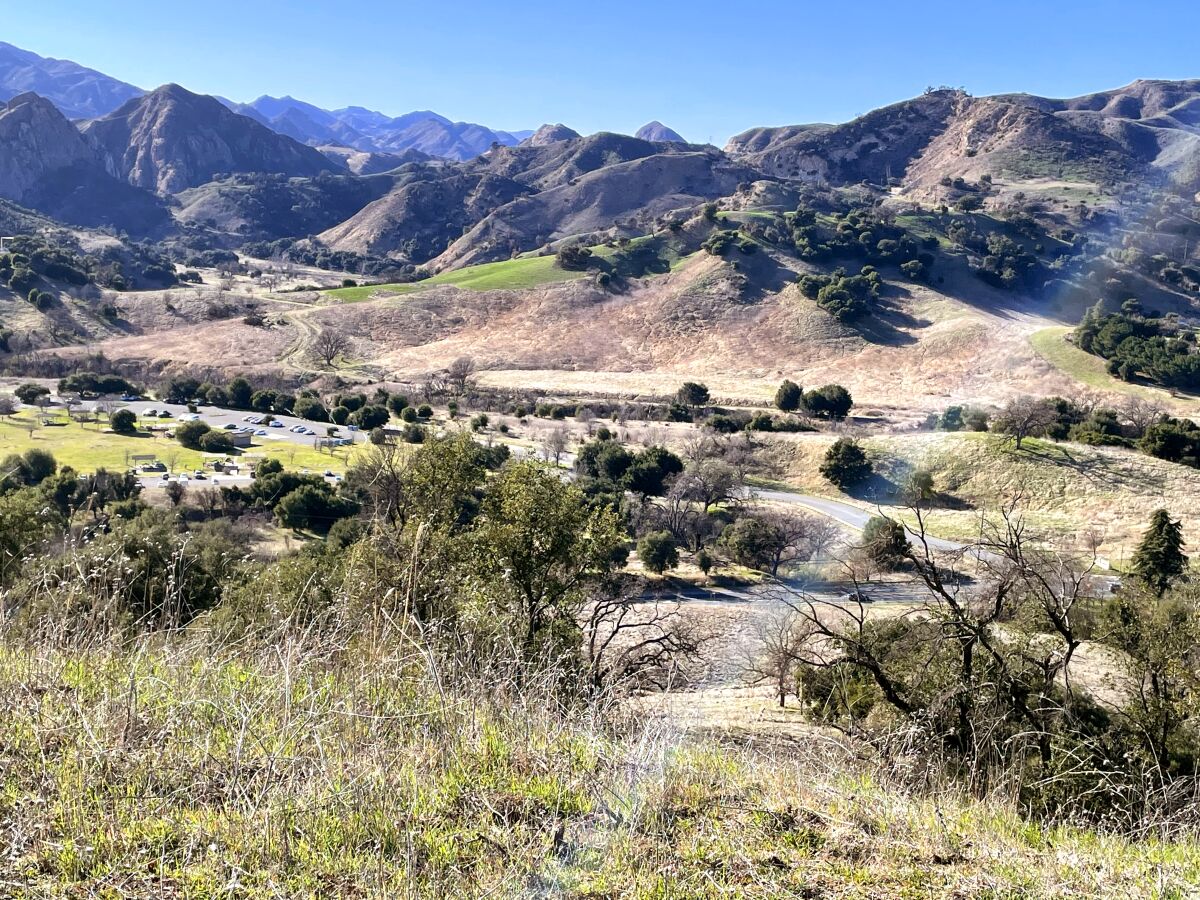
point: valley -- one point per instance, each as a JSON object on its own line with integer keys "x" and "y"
{"x": 399, "y": 506}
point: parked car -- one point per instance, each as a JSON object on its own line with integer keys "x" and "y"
{"x": 262, "y": 432}
{"x": 276, "y": 424}
{"x": 231, "y": 427}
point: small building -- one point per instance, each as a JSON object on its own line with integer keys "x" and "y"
{"x": 241, "y": 439}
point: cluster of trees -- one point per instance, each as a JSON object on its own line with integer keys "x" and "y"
{"x": 986, "y": 683}
{"x": 57, "y": 257}
{"x": 719, "y": 243}
{"x": 831, "y": 401}
{"x": 91, "y": 385}
{"x": 574, "y": 257}
{"x": 305, "y": 253}
{"x": 846, "y": 297}
{"x": 1142, "y": 345}
{"x": 1006, "y": 264}
{"x": 861, "y": 233}
{"x": 302, "y": 502}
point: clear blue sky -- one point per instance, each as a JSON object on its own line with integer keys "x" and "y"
{"x": 708, "y": 69}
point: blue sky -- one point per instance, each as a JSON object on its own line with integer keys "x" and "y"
{"x": 708, "y": 69}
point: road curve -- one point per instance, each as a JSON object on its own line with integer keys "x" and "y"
{"x": 852, "y": 517}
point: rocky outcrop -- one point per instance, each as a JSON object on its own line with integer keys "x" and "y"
{"x": 172, "y": 139}
{"x": 550, "y": 134}
{"x": 36, "y": 143}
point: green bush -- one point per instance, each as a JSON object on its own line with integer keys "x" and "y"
{"x": 845, "y": 463}
{"x": 657, "y": 552}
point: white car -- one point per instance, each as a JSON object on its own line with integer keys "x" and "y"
{"x": 276, "y": 424}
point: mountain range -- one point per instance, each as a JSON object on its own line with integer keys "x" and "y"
{"x": 421, "y": 190}
{"x": 83, "y": 93}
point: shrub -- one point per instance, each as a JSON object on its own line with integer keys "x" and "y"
{"x": 657, "y": 552}
{"x": 845, "y": 463}
{"x": 789, "y": 397}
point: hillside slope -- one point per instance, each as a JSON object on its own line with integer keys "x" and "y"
{"x": 78, "y": 91}
{"x": 171, "y": 139}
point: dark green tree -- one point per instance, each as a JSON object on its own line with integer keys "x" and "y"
{"x": 829, "y": 402}
{"x": 692, "y": 394}
{"x": 885, "y": 541}
{"x": 1159, "y": 559}
{"x": 124, "y": 421}
{"x": 845, "y": 463}
{"x": 789, "y": 397}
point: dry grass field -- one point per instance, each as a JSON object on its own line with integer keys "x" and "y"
{"x": 703, "y": 320}
{"x": 1063, "y": 489}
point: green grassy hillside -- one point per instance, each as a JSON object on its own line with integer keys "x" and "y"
{"x": 509, "y": 274}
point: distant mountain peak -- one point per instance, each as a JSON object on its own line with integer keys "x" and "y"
{"x": 151, "y": 142}
{"x": 77, "y": 91}
{"x": 549, "y": 134}
{"x": 658, "y": 132}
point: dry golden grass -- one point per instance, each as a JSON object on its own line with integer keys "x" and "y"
{"x": 702, "y": 321}
{"x": 1063, "y": 488}
{"x": 176, "y": 768}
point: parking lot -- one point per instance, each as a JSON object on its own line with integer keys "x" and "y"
{"x": 282, "y": 429}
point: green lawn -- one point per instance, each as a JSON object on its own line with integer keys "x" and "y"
{"x": 740, "y": 215}
{"x": 87, "y": 447}
{"x": 508, "y": 274}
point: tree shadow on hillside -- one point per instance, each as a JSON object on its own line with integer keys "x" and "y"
{"x": 764, "y": 275}
{"x": 884, "y": 326}
{"x": 879, "y": 489}
{"x": 1099, "y": 470}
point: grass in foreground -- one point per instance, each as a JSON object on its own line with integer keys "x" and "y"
{"x": 88, "y": 447}
{"x": 175, "y": 768}
{"x": 508, "y": 274}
